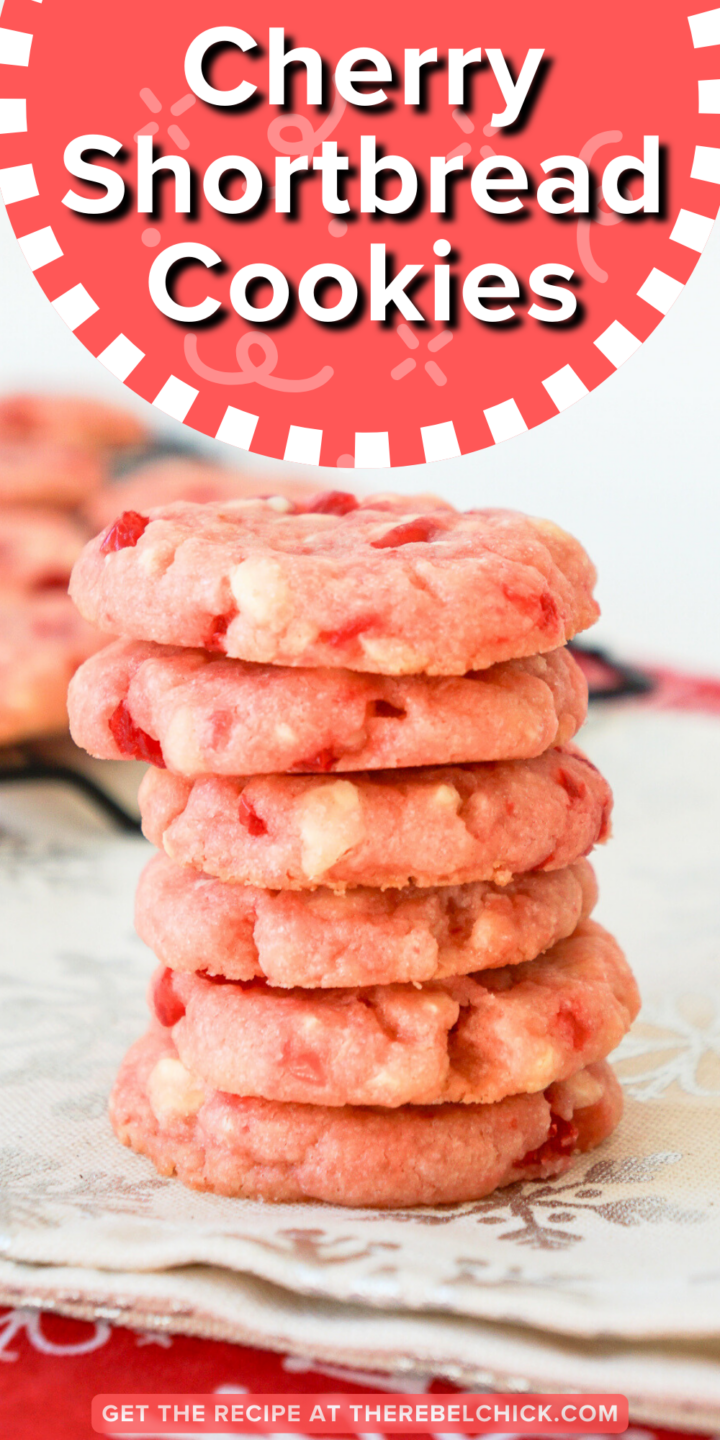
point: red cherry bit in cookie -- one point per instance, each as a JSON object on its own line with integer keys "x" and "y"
{"x": 530, "y": 604}
{"x": 549, "y": 609}
{"x": 217, "y": 632}
{"x": 333, "y": 502}
{"x": 248, "y": 816}
{"x": 125, "y": 532}
{"x": 167, "y": 1007}
{"x": 561, "y": 1140}
{"x": 319, "y": 763}
{"x": 131, "y": 740}
{"x": 351, "y": 631}
{"x": 385, "y": 710}
{"x": 574, "y": 789}
{"x": 413, "y": 531}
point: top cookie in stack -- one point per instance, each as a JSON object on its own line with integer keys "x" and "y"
{"x": 368, "y": 585}
{"x": 359, "y": 718}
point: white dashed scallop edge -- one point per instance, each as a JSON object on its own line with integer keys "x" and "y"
{"x": 372, "y": 449}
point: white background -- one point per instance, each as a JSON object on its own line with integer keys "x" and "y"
{"x": 633, "y": 469}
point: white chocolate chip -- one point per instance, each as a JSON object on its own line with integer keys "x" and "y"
{"x": 501, "y": 876}
{"x": 155, "y": 559}
{"x": 331, "y": 823}
{"x": 285, "y": 734}
{"x": 299, "y": 635}
{"x": 279, "y": 503}
{"x": 582, "y": 1090}
{"x": 446, "y": 797}
{"x": 385, "y": 1084}
{"x": 541, "y": 1070}
{"x": 354, "y": 741}
{"x": 262, "y": 592}
{"x": 245, "y": 502}
{"x": 180, "y": 745}
{"x": 391, "y": 657}
{"x": 174, "y": 1093}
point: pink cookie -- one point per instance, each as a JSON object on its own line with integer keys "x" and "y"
{"x": 67, "y": 420}
{"x": 435, "y": 826}
{"x": 38, "y": 548}
{"x": 433, "y": 1155}
{"x": 470, "y": 1039}
{"x": 42, "y": 642}
{"x": 230, "y": 717}
{"x": 43, "y": 473}
{"x": 394, "y": 593}
{"x": 315, "y": 938}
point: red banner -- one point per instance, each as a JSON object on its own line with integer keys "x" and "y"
{"x": 340, "y": 1414}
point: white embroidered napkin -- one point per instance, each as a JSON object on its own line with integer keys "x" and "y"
{"x": 625, "y": 1247}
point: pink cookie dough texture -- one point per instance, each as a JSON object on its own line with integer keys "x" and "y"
{"x": 470, "y": 1039}
{"x": 38, "y": 548}
{"x": 43, "y": 473}
{"x": 316, "y": 938}
{"x": 414, "y": 1155}
{"x": 231, "y": 717}
{"x": 42, "y": 642}
{"x": 67, "y": 420}
{"x": 173, "y": 478}
{"x": 399, "y": 592}
{"x": 434, "y": 826}
{"x": 166, "y": 481}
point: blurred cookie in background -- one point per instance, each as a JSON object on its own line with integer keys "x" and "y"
{"x": 179, "y": 477}
{"x": 57, "y": 455}
{"x": 56, "y": 449}
{"x": 38, "y": 547}
{"x": 68, "y": 420}
{"x": 43, "y": 640}
{"x": 46, "y": 473}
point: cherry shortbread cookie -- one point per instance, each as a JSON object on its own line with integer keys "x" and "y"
{"x": 391, "y": 592}
{"x": 434, "y": 826}
{"x": 317, "y": 938}
{"x": 470, "y": 1039}
{"x": 205, "y": 715}
{"x": 363, "y": 1156}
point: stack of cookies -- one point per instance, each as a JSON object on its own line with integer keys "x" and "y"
{"x": 379, "y": 983}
